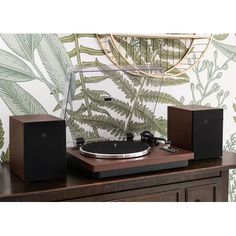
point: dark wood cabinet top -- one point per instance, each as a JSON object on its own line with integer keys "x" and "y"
{"x": 195, "y": 107}
{"x": 35, "y": 118}
{"x": 76, "y": 185}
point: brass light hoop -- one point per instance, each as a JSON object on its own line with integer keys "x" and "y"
{"x": 159, "y": 36}
{"x": 160, "y": 75}
{"x": 140, "y": 71}
{"x": 191, "y": 51}
{"x": 100, "y": 38}
{"x": 198, "y": 45}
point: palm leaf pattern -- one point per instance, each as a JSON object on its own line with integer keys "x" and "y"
{"x": 23, "y": 45}
{"x": 19, "y": 101}
{"x": 14, "y": 69}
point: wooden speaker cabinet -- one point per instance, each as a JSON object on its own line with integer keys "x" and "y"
{"x": 196, "y": 128}
{"x": 37, "y": 147}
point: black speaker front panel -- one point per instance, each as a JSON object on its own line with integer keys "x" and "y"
{"x": 45, "y": 149}
{"x": 208, "y": 133}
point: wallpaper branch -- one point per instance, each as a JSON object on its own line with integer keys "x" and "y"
{"x": 33, "y": 69}
{"x": 210, "y": 87}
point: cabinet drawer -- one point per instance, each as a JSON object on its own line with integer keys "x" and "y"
{"x": 204, "y": 193}
{"x": 169, "y": 196}
{"x": 205, "y": 190}
{"x": 153, "y": 194}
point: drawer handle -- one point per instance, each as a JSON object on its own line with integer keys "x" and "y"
{"x": 197, "y": 200}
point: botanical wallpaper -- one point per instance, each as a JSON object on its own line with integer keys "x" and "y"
{"x": 33, "y": 68}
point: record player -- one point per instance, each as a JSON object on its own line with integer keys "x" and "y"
{"x": 112, "y": 158}
{"x": 109, "y": 158}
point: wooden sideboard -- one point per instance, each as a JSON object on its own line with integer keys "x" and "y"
{"x": 201, "y": 181}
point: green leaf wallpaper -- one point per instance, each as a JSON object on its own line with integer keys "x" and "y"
{"x": 33, "y": 69}
{"x": 204, "y": 88}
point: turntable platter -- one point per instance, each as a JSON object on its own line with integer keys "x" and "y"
{"x": 115, "y": 149}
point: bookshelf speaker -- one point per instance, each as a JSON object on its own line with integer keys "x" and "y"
{"x": 196, "y": 128}
{"x": 37, "y": 147}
